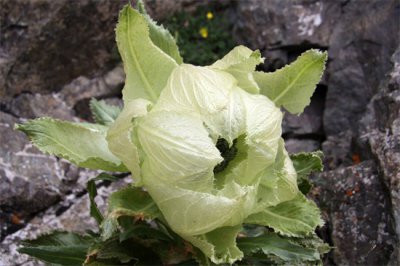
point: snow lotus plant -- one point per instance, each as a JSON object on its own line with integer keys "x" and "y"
{"x": 212, "y": 178}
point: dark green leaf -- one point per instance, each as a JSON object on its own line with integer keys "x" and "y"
{"x": 144, "y": 231}
{"x": 92, "y": 190}
{"x": 58, "y": 247}
{"x": 130, "y": 201}
{"x": 272, "y": 244}
{"x": 106, "y": 177}
{"x": 103, "y": 113}
{"x": 305, "y": 163}
{"x": 94, "y": 210}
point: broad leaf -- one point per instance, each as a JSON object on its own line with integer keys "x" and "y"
{"x": 297, "y": 217}
{"x": 241, "y": 62}
{"x": 103, "y": 113}
{"x": 179, "y": 150}
{"x": 81, "y": 143}
{"x": 219, "y": 245}
{"x": 283, "y": 248}
{"x": 212, "y": 94}
{"x": 160, "y": 36}
{"x": 60, "y": 248}
{"x": 305, "y": 164}
{"x": 278, "y": 182}
{"x": 293, "y": 85}
{"x": 120, "y": 136}
{"x": 129, "y": 201}
{"x": 146, "y": 66}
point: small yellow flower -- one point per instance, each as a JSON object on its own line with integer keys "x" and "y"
{"x": 203, "y": 32}
{"x": 210, "y": 15}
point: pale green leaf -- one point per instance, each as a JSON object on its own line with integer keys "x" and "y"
{"x": 241, "y": 62}
{"x": 196, "y": 89}
{"x": 279, "y": 181}
{"x": 178, "y": 149}
{"x": 146, "y": 66}
{"x": 297, "y": 217}
{"x": 82, "y": 144}
{"x": 103, "y": 113}
{"x": 191, "y": 212}
{"x": 61, "y": 248}
{"x": 283, "y": 248}
{"x": 219, "y": 245}
{"x": 305, "y": 164}
{"x": 120, "y": 136}
{"x": 211, "y": 94}
{"x": 293, "y": 85}
{"x": 259, "y": 147}
{"x": 160, "y": 36}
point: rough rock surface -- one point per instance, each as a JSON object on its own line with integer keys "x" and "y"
{"x": 356, "y": 204}
{"x": 380, "y": 133}
{"x": 60, "y": 40}
{"x": 56, "y": 55}
{"x": 72, "y": 214}
{"x": 359, "y": 115}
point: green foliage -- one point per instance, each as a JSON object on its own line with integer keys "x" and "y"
{"x": 167, "y": 135}
{"x": 62, "y": 248}
{"x": 305, "y": 164}
{"x": 92, "y": 191}
{"x": 161, "y": 37}
{"x": 83, "y": 144}
{"x": 273, "y": 249}
{"x": 298, "y": 217}
{"x": 103, "y": 113}
{"x": 143, "y": 60}
{"x": 293, "y": 85}
{"x": 201, "y": 40}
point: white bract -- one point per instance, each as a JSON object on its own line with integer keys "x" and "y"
{"x": 204, "y": 141}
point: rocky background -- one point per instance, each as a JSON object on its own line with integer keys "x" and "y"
{"x": 56, "y": 55}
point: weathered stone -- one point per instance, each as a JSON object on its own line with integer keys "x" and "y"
{"x": 337, "y": 150}
{"x": 301, "y": 145}
{"x": 160, "y": 10}
{"x": 309, "y": 123}
{"x": 45, "y": 44}
{"x": 284, "y": 29}
{"x": 72, "y": 214}
{"x": 84, "y": 88}
{"x": 361, "y": 47}
{"x": 30, "y": 180}
{"x": 273, "y": 24}
{"x": 37, "y": 105}
{"x": 358, "y": 208}
{"x": 380, "y": 128}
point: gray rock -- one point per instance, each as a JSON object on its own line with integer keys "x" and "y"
{"x": 83, "y": 88}
{"x": 75, "y": 218}
{"x": 284, "y": 29}
{"x": 45, "y": 44}
{"x": 274, "y": 24}
{"x": 360, "y": 50}
{"x": 309, "y": 123}
{"x": 30, "y": 180}
{"x": 301, "y": 145}
{"x": 338, "y": 150}
{"x": 380, "y": 128}
{"x": 37, "y": 105}
{"x": 358, "y": 208}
